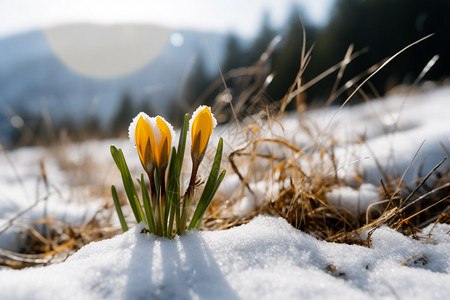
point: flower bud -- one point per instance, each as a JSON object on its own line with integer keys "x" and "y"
{"x": 153, "y": 139}
{"x": 201, "y": 126}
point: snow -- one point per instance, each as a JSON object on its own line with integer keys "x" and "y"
{"x": 23, "y": 191}
{"x": 410, "y": 122}
{"x": 264, "y": 259}
{"x": 363, "y": 196}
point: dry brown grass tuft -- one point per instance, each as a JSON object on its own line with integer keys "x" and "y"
{"x": 49, "y": 241}
{"x": 299, "y": 176}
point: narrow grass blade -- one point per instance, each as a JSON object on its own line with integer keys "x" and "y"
{"x": 173, "y": 191}
{"x": 128, "y": 184}
{"x": 147, "y": 206}
{"x": 176, "y": 204}
{"x": 211, "y": 187}
{"x": 158, "y": 210}
{"x": 123, "y": 223}
{"x": 201, "y": 209}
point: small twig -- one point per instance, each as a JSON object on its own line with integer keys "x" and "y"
{"x": 24, "y": 258}
{"x": 445, "y": 149}
{"x": 18, "y": 215}
{"x": 406, "y": 261}
{"x": 423, "y": 181}
{"x": 421, "y": 211}
{"x": 13, "y": 167}
{"x": 407, "y": 169}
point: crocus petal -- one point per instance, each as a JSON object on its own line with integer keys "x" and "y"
{"x": 145, "y": 143}
{"x": 132, "y": 127}
{"x": 167, "y": 135}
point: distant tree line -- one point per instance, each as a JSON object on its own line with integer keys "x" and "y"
{"x": 41, "y": 129}
{"x": 379, "y": 27}
{"x": 385, "y": 27}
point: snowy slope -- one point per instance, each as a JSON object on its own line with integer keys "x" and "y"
{"x": 392, "y": 129}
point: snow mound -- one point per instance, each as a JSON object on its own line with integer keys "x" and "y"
{"x": 265, "y": 259}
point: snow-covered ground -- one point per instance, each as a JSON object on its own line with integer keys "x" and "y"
{"x": 265, "y": 259}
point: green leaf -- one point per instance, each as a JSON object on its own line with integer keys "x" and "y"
{"x": 130, "y": 189}
{"x": 147, "y": 206}
{"x": 123, "y": 223}
{"x": 114, "y": 154}
{"x": 179, "y": 166}
{"x": 198, "y": 215}
{"x": 211, "y": 186}
{"x": 173, "y": 191}
{"x": 128, "y": 184}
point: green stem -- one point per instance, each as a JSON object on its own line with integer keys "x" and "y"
{"x": 188, "y": 198}
{"x": 152, "y": 187}
{"x": 162, "y": 202}
{"x": 154, "y": 201}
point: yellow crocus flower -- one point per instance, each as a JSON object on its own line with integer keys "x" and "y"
{"x": 153, "y": 139}
{"x": 201, "y": 127}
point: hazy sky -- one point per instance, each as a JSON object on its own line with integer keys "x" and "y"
{"x": 240, "y": 16}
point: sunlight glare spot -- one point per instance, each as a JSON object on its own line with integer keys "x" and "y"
{"x": 17, "y": 121}
{"x": 103, "y": 51}
{"x": 176, "y": 39}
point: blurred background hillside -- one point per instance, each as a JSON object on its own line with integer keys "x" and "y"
{"x": 83, "y": 71}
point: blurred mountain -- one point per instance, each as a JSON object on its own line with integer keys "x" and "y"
{"x": 34, "y": 79}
